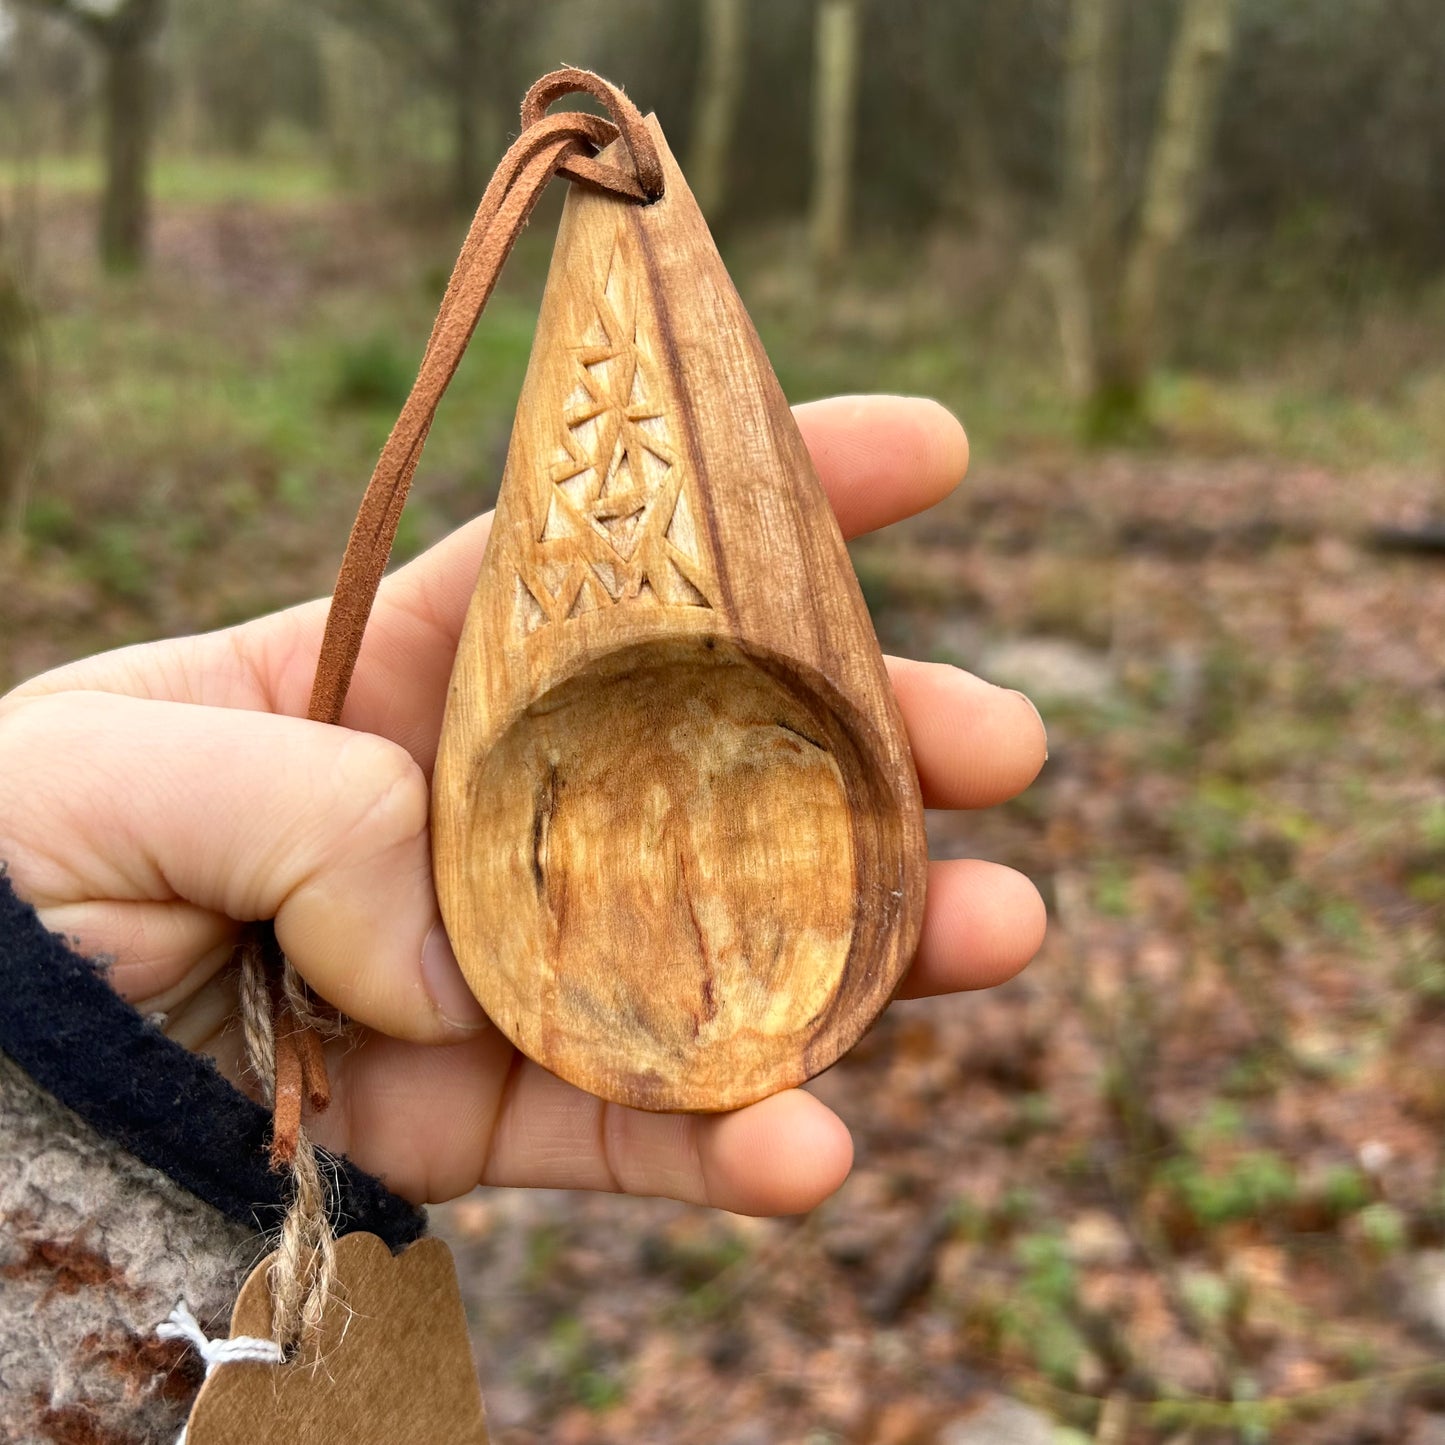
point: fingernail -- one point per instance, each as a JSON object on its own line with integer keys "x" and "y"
{"x": 1034, "y": 709}
{"x": 442, "y": 975}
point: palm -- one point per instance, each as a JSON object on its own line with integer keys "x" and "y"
{"x": 436, "y": 1118}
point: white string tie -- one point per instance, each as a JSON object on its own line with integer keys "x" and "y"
{"x": 181, "y": 1324}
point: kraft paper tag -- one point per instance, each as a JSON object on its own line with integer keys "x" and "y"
{"x": 392, "y": 1363}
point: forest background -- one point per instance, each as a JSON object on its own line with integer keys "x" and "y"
{"x": 1180, "y": 267}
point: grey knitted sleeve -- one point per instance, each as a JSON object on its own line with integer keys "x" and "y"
{"x": 95, "y": 1249}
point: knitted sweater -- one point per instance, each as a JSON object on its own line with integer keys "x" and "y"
{"x": 132, "y": 1176}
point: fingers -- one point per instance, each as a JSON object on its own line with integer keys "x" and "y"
{"x": 982, "y": 923}
{"x": 239, "y": 815}
{"x": 440, "y": 1121}
{"x": 156, "y": 953}
{"x": 883, "y": 458}
{"x": 781, "y": 1156}
{"x": 974, "y": 744}
{"x": 785, "y": 1155}
{"x": 879, "y": 459}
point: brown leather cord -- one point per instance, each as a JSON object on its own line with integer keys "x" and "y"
{"x": 633, "y": 128}
{"x": 547, "y": 145}
{"x": 567, "y": 145}
{"x": 290, "y": 1081}
{"x": 300, "y": 1074}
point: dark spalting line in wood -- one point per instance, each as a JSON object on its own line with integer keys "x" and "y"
{"x": 683, "y": 398}
{"x": 541, "y": 826}
{"x": 812, "y": 742}
{"x": 709, "y": 1000}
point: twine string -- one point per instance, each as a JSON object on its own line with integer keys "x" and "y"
{"x": 181, "y": 1324}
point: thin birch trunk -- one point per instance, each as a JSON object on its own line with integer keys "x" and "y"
{"x": 1084, "y": 272}
{"x": 1175, "y": 175}
{"x": 720, "y": 88}
{"x": 463, "y": 77}
{"x": 1110, "y": 286}
{"x": 835, "y": 94}
{"x": 129, "y": 120}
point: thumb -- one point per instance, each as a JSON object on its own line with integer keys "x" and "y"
{"x": 136, "y": 824}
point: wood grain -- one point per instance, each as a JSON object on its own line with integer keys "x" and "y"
{"x": 678, "y": 839}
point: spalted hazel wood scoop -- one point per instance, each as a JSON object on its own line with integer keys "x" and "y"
{"x": 677, "y": 833}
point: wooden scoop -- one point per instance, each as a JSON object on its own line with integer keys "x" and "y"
{"x": 678, "y": 838}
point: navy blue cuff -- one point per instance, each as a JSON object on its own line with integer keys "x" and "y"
{"x": 79, "y": 1040}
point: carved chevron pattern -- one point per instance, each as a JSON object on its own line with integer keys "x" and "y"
{"x": 619, "y": 525}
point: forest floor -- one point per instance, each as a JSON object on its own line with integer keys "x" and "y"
{"x": 1182, "y": 1181}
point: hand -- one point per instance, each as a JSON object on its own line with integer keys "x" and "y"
{"x": 154, "y": 799}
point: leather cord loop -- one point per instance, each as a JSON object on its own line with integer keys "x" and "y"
{"x": 625, "y": 116}
{"x": 563, "y": 144}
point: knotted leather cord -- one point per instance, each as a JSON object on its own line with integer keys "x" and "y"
{"x": 548, "y": 145}
{"x": 282, "y": 1032}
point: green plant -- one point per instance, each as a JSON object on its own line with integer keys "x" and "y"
{"x": 51, "y": 521}
{"x": 1211, "y": 1296}
{"x": 545, "y": 1243}
{"x": 1345, "y": 1189}
{"x": 371, "y": 373}
{"x": 1255, "y": 1183}
{"x": 1432, "y": 824}
{"x": 578, "y": 1364}
{"x": 1112, "y": 881}
{"x": 1384, "y": 1228}
{"x": 1037, "y": 1315}
{"x": 114, "y": 560}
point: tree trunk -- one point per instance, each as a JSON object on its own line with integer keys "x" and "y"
{"x": 835, "y": 87}
{"x": 720, "y": 86}
{"x": 1087, "y": 267}
{"x": 1091, "y": 156}
{"x": 1176, "y": 168}
{"x": 21, "y": 413}
{"x": 464, "y": 74}
{"x": 125, "y": 207}
{"x": 1119, "y": 286}
{"x": 124, "y": 34}
{"x": 466, "y": 185}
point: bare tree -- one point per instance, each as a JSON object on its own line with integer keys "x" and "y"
{"x": 1176, "y": 168}
{"x": 720, "y": 88}
{"x": 22, "y": 369}
{"x": 464, "y": 49}
{"x": 465, "y": 75}
{"x": 835, "y": 104}
{"x": 1109, "y": 279}
{"x": 20, "y": 397}
{"x": 21, "y": 357}
{"x": 124, "y": 32}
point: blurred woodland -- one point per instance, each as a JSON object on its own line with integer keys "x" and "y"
{"x": 1180, "y": 266}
